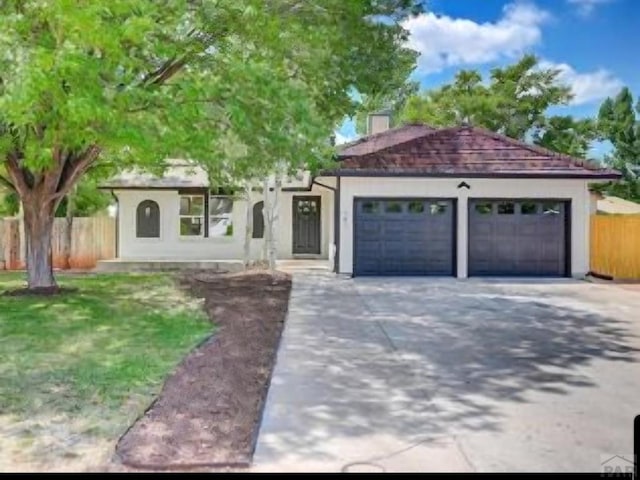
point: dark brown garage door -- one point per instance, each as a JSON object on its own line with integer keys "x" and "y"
{"x": 518, "y": 237}
{"x": 404, "y": 236}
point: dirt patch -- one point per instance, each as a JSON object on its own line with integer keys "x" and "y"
{"x": 209, "y": 410}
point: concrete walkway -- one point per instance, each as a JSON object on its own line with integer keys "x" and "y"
{"x": 418, "y": 374}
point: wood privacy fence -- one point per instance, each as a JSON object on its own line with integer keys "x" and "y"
{"x": 92, "y": 239}
{"x": 615, "y": 246}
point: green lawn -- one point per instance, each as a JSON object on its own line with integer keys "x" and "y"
{"x": 77, "y": 369}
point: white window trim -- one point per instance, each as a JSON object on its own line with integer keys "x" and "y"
{"x": 181, "y": 216}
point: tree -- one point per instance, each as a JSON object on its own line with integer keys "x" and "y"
{"x": 566, "y": 135}
{"x": 132, "y": 82}
{"x": 513, "y": 102}
{"x": 619, "y": 124}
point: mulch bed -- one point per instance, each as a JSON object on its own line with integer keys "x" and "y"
{"x": 209, "y": 411}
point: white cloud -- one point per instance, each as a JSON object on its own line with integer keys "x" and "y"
{"x": 447, "y": 42}
{"x": 340, "y": 139}
{"x": 586, "y": 7}
{"x": 588, "y": 86}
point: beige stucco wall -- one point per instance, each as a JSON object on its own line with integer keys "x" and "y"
{"x": 171, "y": 245}
{"x": 574, "y": 190}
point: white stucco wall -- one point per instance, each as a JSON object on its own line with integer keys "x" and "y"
{"x": 171, "y": 245}
{"x": 563, "y": 189}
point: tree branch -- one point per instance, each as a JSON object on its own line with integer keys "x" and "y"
{"x": 167, "y": 70}
{"x": 73, "y": 170}
{"x": 7, "y": 182}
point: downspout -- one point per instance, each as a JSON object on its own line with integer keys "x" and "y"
{"x": 117, "y": 223}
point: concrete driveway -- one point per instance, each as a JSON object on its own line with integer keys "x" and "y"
{"x": 419, "y": 374}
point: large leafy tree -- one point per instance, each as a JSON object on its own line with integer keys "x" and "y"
{"x": 618, "y": 122}
{"x": 88, "y": 83}
{"x": 512, "y": 101}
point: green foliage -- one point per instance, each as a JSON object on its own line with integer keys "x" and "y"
{"x": 566, "y": 135}
{"x": 513, "y": 101}
{"x": 145, "y": 80}
{"x": 619, "y": 123}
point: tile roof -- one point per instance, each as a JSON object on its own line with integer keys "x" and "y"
{"x": 458, "y": 151}
{"x": 383, "y": 140}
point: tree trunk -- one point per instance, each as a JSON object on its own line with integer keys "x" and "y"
{"x": 248, "y": 231}
{"x": 271, "y": 198}
{"x": 68, "y": 232}
{"x": 38, "y": 225}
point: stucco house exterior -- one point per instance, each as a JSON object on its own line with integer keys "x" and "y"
{"x": 412, "y": 200}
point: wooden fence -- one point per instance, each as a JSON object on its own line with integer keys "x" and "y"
{"x": 92, "y": 239}
{"x": 615, "y": 246}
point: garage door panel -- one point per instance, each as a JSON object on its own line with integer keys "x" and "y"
{"x": 412, "y": 237}
{"x": 516, "y": 237}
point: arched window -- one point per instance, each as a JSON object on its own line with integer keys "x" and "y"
{"x": 258, "y": 220}
{"x": 148, "y": 220}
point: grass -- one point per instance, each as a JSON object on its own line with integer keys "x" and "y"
{"x": 77, "y": 369}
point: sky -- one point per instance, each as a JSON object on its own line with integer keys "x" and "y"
{"x": 593, "y": 43}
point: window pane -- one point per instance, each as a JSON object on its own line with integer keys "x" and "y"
{"x": 484, "y": 208}
{"x": 438, "y": 208}
{"x": 220, "y": 227}
{"x": 551, "y": 208}
{"x": 191, "y": 205}
{"x": 416, "y": 207}
{"x": 185, "y": 205}
{"x": 529, "y": 208}
{"x": 220, "y": 205}
{"x": 197, "y": 206}
{"x": 190, "y": 226}
{"x": 506, "y": 208}
{"x": 370, "y": 207}
{"x": 393, "y": 207}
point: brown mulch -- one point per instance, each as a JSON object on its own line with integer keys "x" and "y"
{"x": 209, "y": 410}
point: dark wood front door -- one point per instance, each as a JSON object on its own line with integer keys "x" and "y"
{"x": 306, "y": 225}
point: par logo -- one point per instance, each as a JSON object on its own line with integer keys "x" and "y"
{"x": 617, "y": 465}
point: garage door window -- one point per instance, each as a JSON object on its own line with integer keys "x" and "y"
{"x": 370, "y": 207}
{"x": 416, "y": 207}
{"x": 528, "y": 208}
{"x": 438, "y": 208}
{"x": 506, "y": 208}
{"x": 550, "y": 208}
{"x": 484, "y": 208}
{"x": 394, "y": 207}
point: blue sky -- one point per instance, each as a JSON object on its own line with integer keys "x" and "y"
{"x": 593, "y": 43}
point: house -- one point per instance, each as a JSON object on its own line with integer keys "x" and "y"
{"x": 412, "y": 200}
{"x": 612, "y": 205}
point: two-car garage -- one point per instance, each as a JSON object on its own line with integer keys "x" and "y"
{"x": 417, "y": 236}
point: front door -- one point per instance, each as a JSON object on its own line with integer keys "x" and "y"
{"x": 306, "y": 225}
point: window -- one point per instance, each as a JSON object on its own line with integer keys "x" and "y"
{"x": 550, "y": 208}
{"x": 258, "y": 220}
{"x": 221, "y": 216}
{"x": 528, "y": 208}
{"x": 416, "y": 207}
{"x": 393, "y": 207}
{"x": 484, "y": 208}
{"x": 148, "y": 220}
{"x": 506, "y": 208}
{"x": 191, "y": 215}
{"x": 438, "y": 208}
{"x": 370, "y": 207}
